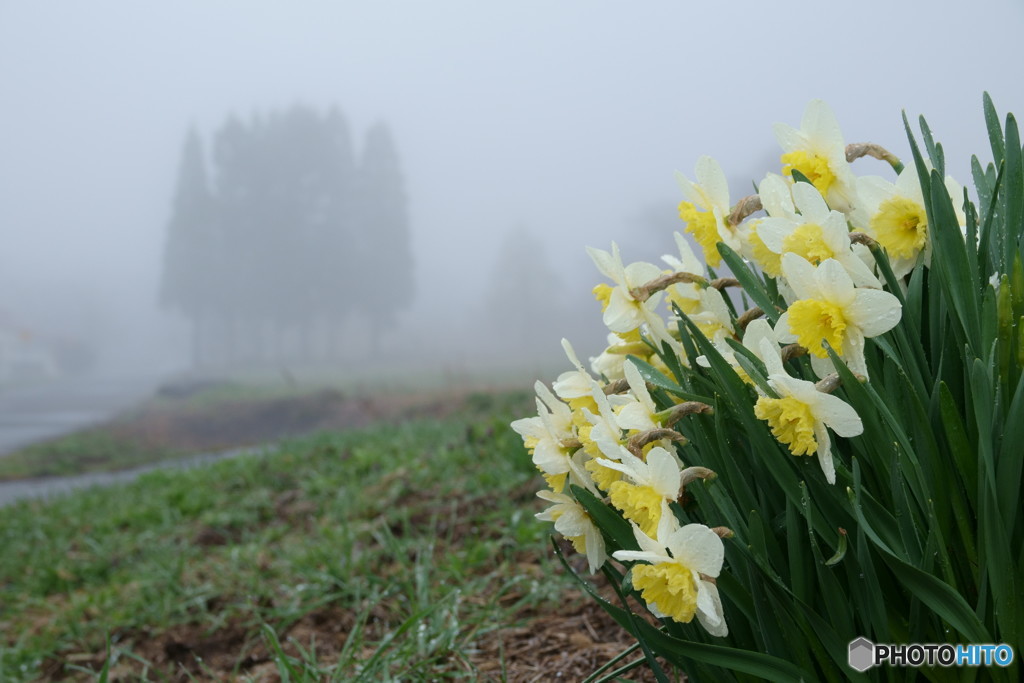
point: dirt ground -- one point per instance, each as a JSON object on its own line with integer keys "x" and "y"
{"x": 240, "y": 423}
{"x": 568, "y": 646}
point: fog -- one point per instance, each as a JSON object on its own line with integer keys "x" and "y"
{"x": 524, "y": 131}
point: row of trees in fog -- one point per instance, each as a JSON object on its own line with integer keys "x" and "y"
{"x": 285, "y": 236}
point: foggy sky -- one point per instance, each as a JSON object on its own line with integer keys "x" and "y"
{"x": 567, "y": 118}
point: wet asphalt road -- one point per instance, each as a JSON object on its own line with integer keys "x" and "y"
{"x": 35, "y": 413}
{"x": 48, "y": 487}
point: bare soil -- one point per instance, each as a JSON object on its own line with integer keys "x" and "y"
{"x": 248, "y": 422}
{"x": 565, "y": 646}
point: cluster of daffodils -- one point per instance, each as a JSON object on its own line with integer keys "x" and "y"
{"x": 815, "y": 232}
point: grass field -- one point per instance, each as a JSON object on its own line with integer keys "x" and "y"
{"x": 403, "y": 550}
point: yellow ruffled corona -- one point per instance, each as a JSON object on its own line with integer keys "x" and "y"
{"x": 808, "y": 241}
{"x": 668, "y": 586}
{"x": 901, "y": 226}
{"x": 639, "y": 504}
{"x": 814, "y": 321}
{"x": 814, "y": 167}
{"x": 791, "y": 422}
{"x": 704, "y": 227}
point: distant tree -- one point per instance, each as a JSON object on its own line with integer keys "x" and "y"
{"x": 384, "y": 271}
{"x": 189, "y": 271}
{"x": 289, "y": 238}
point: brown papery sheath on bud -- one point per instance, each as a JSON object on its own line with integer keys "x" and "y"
{"x": 637, "y": 442}
{"x": 691, "y": 474}
{"x": 829, "y": 383}
{"x": 673, "y": 415}
{"x": 644, "y": 291}
{"x": 616, "y": 387}
{"x": 791, "y": 351}
{"x": 748, "y": 317}
{"x": 856, "y": 150}
{"x": 863, "y": 238}
{"x": 723, "y": 282}
{"x": 744, "y": 207}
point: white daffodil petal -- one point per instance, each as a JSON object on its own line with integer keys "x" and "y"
{"x": 823, "y": 367}
{"x": 809, "y": 201}
{"x": 667, "y": 523}
{"x": 820, "y": 123}
{"x": 663, "y": 470}
{"x": 776, "y": 197}
{"x": 640, "y": 272}
{"x": 570, "y": 353}
{"x": 853, "y": 350}
{"x": 654, "y": 549}
{"x": 705, "y": 603}
{"x": 605, "y": 263}
{"x": 800, "y": 275}
{"x": 699, "y": 548}
{"x": 635, "y": 416}
{"x": 788, "y": 137}
{"x": 621, "y": 314}
{"x": 839, "y": 415}
{"x": 572, "y": 384}
{"x": 769, "y": 353}
{"x": 640, "y": 556}
{"x": 637, "y": 385}
{"x": 874, "y": 311}
{"x": 714, "y": 620}
{"x": 691, "y": 192}
{"x": 835, "y": 283}
{"x": 825, "y": 452}
{"x": 687, "y": 258}
{"x": 596, "y": 552}
{"x": 712, "y": 178}
{"x": 773, "y": 232}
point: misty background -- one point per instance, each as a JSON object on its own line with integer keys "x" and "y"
{"x": 521, "y": 133}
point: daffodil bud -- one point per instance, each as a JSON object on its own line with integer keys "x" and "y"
{"x": 745, "y": 207}
{"x": 676, "y": 413}
{"x": 829, "y": 383}
{"x": 636, "y": 443}
{"x": 856, "y": 150}
{"x": 644, "y": 291}
{"x": 748, "y": 317}
{"x": 691, "y": 474}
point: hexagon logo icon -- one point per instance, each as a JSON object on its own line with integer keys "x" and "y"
{"x": 862, "y": 655}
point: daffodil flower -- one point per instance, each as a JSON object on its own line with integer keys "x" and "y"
{"x": 678, "y": 579}
{"x": 609, "y": 363}
{"x": 755, "y": 249}
{"x": 817, "y": 233}
{"x": 574, "y": 385}
{"x": 828, "y": 308}
{"x": 546, "y": 437}
{"x": 756, "y": 331}
{"x": 651, "y": 481}
{"x": 705, "y": 208}
{"x": 624, "y": 312}
{"x": 895, "y": 216}
{"x": 818, "y": 151}
{"x": 712, "y": 316}
{"x": 801, "y": 415}
{"x": 685, "y": 295}
{"x": 573, "y": 522}
{"x": 637, "y": 412}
